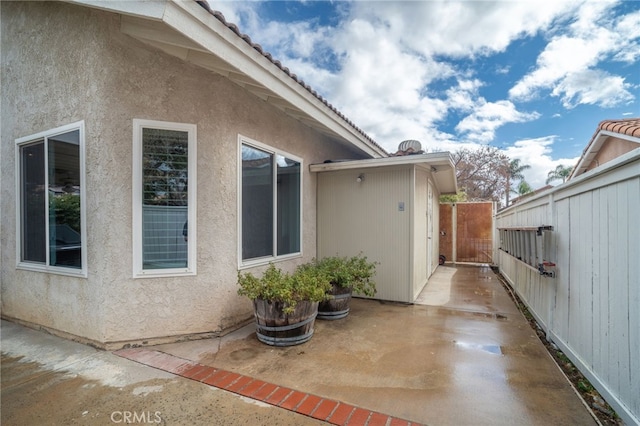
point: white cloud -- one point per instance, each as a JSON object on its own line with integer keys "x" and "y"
{"x": 568, "y": 66}
{"x": 629, "y": 29}
{"x": 242, "y": 14}
{"x": 284, "y": 40}
{"x": 480, "y": 126}
{"x": 461, "y": 28}
{"x": 537, "y": 154}
{"x": 401, "y": 70}
{"x": 592, "y": 87}
{"x": 463, "y": 96}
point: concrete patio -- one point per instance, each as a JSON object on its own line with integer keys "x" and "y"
{"x": 462, "y": 355}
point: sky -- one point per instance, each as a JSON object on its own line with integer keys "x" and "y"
{"x": 532, "y": 78}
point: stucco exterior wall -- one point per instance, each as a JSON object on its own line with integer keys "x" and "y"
{"x": 64, "y": 63}
{"x": 611, "y": 149}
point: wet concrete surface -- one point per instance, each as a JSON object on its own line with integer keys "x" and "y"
{"x": 463, "y": 355}
{"x": 50, "y": 381}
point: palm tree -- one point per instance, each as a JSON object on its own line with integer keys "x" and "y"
{"x": 514, "y": 171}
{"x": 560, "y": 172}
{"x": 523, "y": 188}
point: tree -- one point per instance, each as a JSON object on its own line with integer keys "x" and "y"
{"x": 459, "y": 197}
{"x": 481, "y": 172}
{"x": 514, "y": 171}
{"x": 560, "y": 172}
{"x": 165, "y": 163}
{"x": 523, "y": 188}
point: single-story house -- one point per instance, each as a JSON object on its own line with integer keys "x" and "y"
{"x": 150, "y": 151}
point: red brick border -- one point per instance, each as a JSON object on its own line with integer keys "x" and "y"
{"x": 317, "y": 407}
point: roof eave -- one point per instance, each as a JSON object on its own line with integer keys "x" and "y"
{"x": 628, "y": 129}
{"x": 439, "y": 164}
{"x": 190, "y": 32}
{"x": 589, "y": 153}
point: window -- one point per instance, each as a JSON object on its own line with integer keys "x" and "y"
{"x": 164, "y": 225}
{"x": 50, "y": 211}
{"x": 270, "y": 203}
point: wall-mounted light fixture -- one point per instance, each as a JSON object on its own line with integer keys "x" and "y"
{"x": 360, "y": 178}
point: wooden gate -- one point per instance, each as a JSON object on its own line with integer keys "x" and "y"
{"x": 466, "y": 232}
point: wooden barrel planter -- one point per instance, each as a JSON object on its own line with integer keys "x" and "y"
{"x": 338, "y": 306}
{"x": 276, "y": 328}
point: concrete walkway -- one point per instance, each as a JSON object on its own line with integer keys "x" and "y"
{"x": 463, "y": 355}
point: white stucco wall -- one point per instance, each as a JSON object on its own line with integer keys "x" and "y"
{"x": 64, "y": 63}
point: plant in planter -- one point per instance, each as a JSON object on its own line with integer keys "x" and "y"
{"x": 347, "y": 275}
{"x": 285, "y": 305}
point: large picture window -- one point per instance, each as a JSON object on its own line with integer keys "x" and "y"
{"x": 164, "y": 198}
{"x": 50, "y": 210}
{"x": 270, "y": 201}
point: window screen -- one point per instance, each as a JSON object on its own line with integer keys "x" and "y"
{"x": 164, "y": 198}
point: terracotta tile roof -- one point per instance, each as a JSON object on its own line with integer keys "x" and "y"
{"x": 257, "y": 47}
{"x": 629, "y": 127}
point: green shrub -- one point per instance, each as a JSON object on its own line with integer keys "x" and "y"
{"x": 306, "y": 283}
{"x": 67, "y": 209}
{"x": 355, "y": 273}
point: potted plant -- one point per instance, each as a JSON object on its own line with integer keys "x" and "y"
{"x": 347, "y": 275}
{"x": 285, "y": 305}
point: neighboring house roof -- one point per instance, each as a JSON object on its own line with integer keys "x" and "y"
{"x": 440, "y": 164}
{"x": 193, "y": 32}
{"x": 625, "y": 134}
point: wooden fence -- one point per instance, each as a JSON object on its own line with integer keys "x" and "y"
{"x": 466, "y": 231}
{"x": 584, "y": 284}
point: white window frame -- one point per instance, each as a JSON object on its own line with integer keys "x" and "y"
{"x": 242, "y": 264}
{"x": 40, "y": 267}
{"x": 191, "y": 129}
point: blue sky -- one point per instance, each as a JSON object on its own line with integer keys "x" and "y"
{"x": 533, "y": 78}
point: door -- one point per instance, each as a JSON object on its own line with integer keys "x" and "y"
{"x": 429, "y": 229}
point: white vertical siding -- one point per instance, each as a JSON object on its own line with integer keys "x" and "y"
{"x": 420, "y": 234}
{"x": 385, "y": 217}
{"x": 591, "y": 309}
{"x": 561, "y": 228}
{"x": 434, "y": 228}
{"x": 366, "y": 217}
{"x": 633, "y": 300}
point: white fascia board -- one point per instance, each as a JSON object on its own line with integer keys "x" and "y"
{"x": 439, "y": 164}
{"x": 590, "y": 152}
{"x": 194, "y": 22}
{"x": 442, "y": 159}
